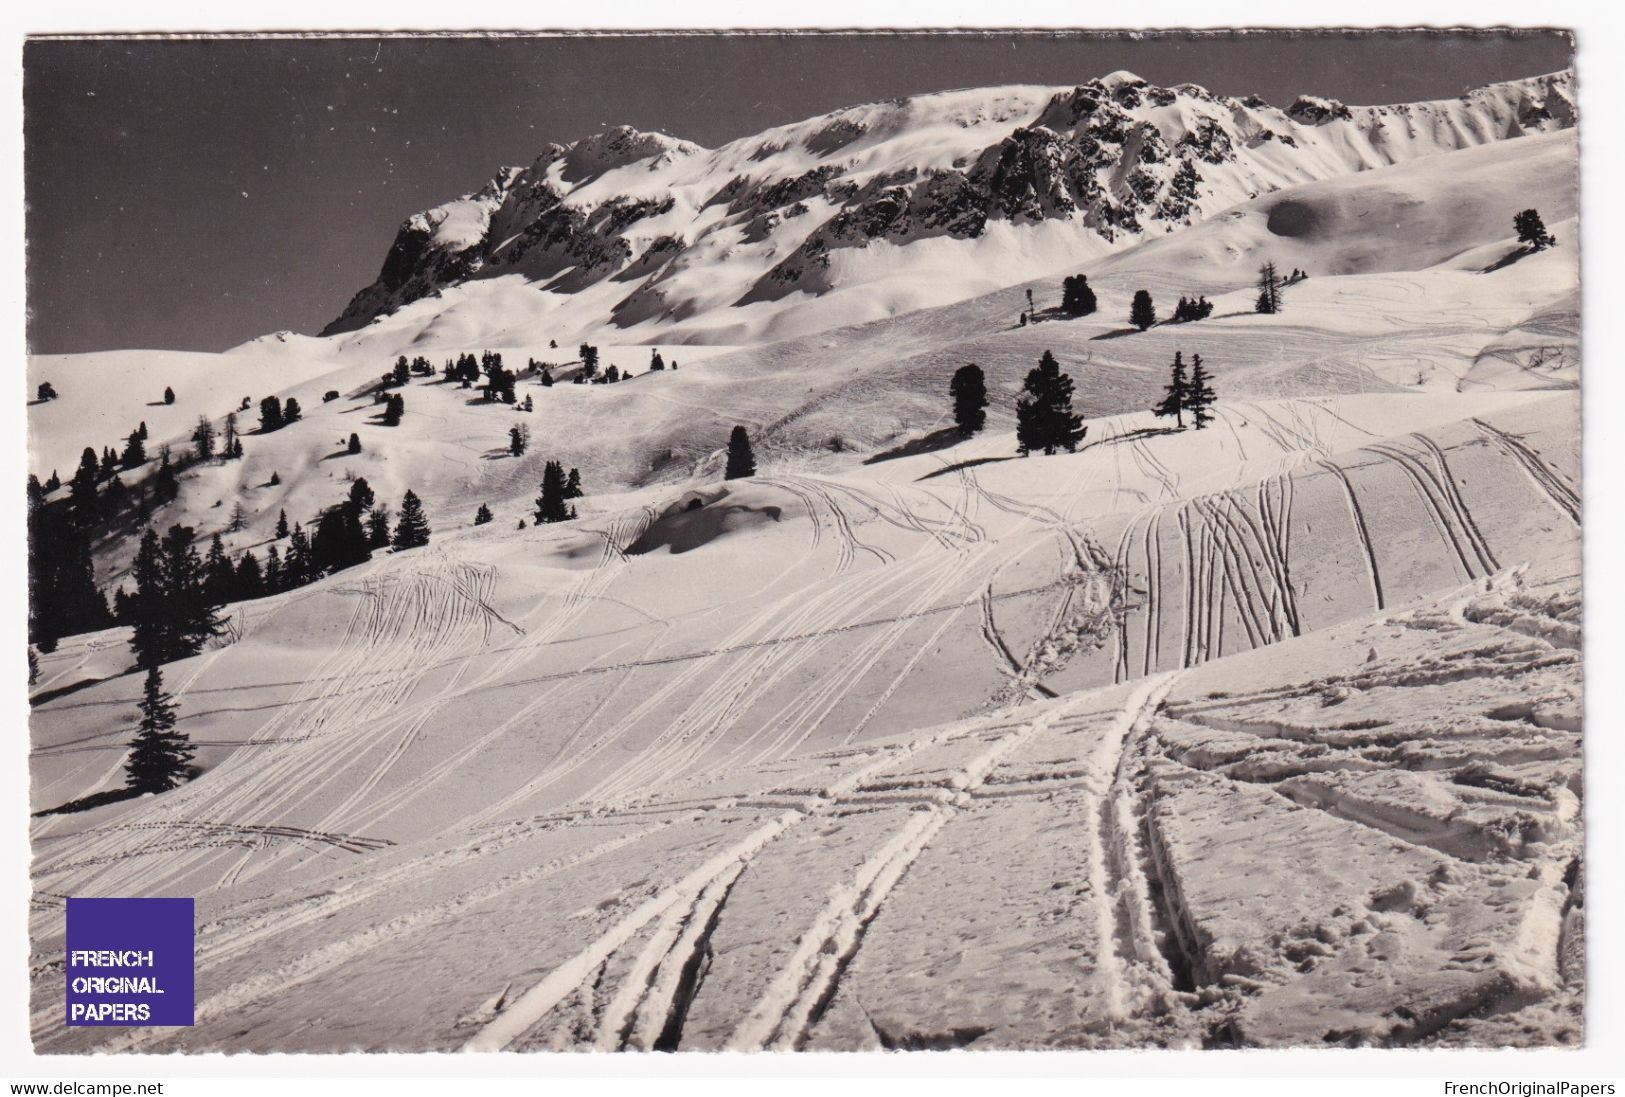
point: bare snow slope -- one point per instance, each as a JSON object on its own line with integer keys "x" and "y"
{"x": 875, "y": 210}
{"x": 813, "y": 744}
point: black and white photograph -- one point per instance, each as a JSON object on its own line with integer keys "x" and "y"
{"x": 805, "y": 541}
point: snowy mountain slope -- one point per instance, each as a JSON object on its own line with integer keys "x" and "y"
{"x": 1433, "y": 305}
{"x": 855, "y": 215}
{"x": 906, "y": 741}
{"x": 836, "y": 681}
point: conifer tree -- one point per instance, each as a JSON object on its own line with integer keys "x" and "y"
{"x": 46, "y": 391}
{"x": 378, "y": 527}
{"x": 1200, "y": 396}
{"x": 412, "y": 528}
{"x": 84, "y": 484}
{"x": 273, "y": 571}
{"x": 160, "y": 757}
{"x": 33, "y": 666}
{"x": 297, "y": 566}
{"x": 551, "y": 505}
{"x": 172, "y": 612}
{"x": 1532, "y": 230}
{"x": 355, "y": 444}
{"x": 231, "y": 446}
{"x": 165, "y": 487}
{"x": 969, "y": 391}
{"x": 169, "y": 395}
{"x": 1269, "y": 290}
{"x": 1142, "y": 313}
{"x": 1176, "y": 394}
{"x": 250, "y": 579}
{"x": 109, "y": 465}
{"x": 572, "y": 486}
{"x": 483, "y": 515}
{"x": 281, "y": 524}
{"x": 238, "y": 518}
{"x": 270, "y": 414}
{"x": 518, "y": 439}
{"x": 135, "y": 451}
{"x": 203, "y": 437}
{"x": 291, "y": 412}
{"x": 220, "y": 577}
{"x": 741, "y": 459}
{"x": 1044, "y": 418}
{"x": 547, "y": 378}
{"x": 361, "y": 496}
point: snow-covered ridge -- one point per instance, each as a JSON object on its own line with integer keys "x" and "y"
{"x": 756, "y": 239}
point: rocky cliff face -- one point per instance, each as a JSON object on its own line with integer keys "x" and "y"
{"x": 667, "y": 231}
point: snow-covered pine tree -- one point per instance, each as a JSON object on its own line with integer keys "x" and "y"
{"x": 160, "y": 757}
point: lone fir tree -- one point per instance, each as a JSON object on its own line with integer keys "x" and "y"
{"x": 969, "y": 391}
{"x": 1269, "y": 290}
{"x": 483, "y": 515}
{"x": 1532, "y": 230}
{"x": 1200, "y": 396}
{"x": 1142, "y": 313}
{"x": 1044, "y": 418}
{"x": 160, "y": 757}
{"x": 741, "y": 458}
{"x": 412, "y": 528}
{"x": 551, "y": 505}
{"x": 1176, "y": 394}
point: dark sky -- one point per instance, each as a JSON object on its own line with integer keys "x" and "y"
{"x": 194, "y": 194}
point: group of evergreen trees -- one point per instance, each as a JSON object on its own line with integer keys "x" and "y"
{"x": 394, "y": 408}
{"x": 553, "y": 505}
{"x": 1190, "y": 309}
{"x": 1187, "y": 394}
{"x": 1077, "y": 299}
{"x": 62, "y": 595}
{"x": 1044, "y": 416}
{"x": 274, "y": 414}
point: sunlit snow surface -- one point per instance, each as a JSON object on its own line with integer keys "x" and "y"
{"x": 1267, "y": 734}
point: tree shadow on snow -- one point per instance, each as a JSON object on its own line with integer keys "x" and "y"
{"x": 1508, "y": 259}
{"x": 930, "y": 443}
{"x": 956, "y": 466}
{"x": 94, "y": 800}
